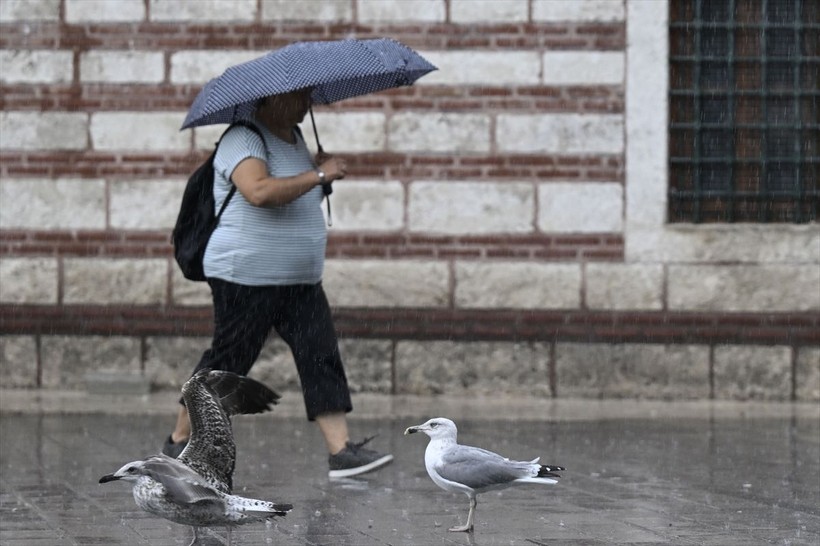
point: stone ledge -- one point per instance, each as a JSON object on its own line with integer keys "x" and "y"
{"x": 371, "y": 406}
{"x": 116, "y": 383}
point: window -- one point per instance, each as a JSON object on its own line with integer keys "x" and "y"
{"x": 744, "y": 111}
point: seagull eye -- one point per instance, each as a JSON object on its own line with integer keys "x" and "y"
{"x": 433, "y": 425}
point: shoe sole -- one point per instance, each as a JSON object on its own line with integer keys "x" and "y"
{"x": 369, "y": 467}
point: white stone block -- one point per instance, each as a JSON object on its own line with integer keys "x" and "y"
{"x": 604, "y": 11}
{"x": 189, "y": 293}
{"x": 202, "y": 10}
{"x": 487, "y": 68}
{"x": 146, "y": 131}
{"x": 412, "y": 132}
{"x": 27, "y": 66}
{"x": 28, "y": 280}
{"x": 632, "y": 370}
{"x": 618, "y": 287}
{"x": 103, "y": 281}
{"x": 295, "y": 10}
{"x": 64, "y": 203}
{"x": 749, "y": 243}
{"x": 145, "y": 204}
{"x": 67, "y": 359}
{"x": 488, "y": 11}
{"x": 583, "y": 68}
{"x": 169, "y": 361}
{"x": 29, "y": 10}
{"x": 512, "y": 285}
{"x": 807, "y": 374}
{"x": 349, "y": 132}
{"x": 748, "y": 287}
{"x": 368, "y": 365}
{"x": 379, "y": 283}
{"x": 646, "y": 104}
{"x": 200, "y": 66}
{"x": 18, "y": 361}
{"x": 560, "y": 133}
{"x": 471, "y": 207}
{"x": 206, "y": 137}
{"x": 752, "y": 372}
{"x": 401, "y": 11}
{"x": 43, "y": 131}
{"x": 472, "y": 368}
{"x": 122, "y": 66}
{"x": 368, "y": 206}
{"x": 580, "y": 207}
{"x": 83, "y": 11}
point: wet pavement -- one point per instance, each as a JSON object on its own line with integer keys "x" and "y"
{"x": 638, "y": 473}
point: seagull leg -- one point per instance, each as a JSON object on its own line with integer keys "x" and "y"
{"x": 229, "y": 534}
{"x": 468, "y": 527}
{"x": 195, "y": 541}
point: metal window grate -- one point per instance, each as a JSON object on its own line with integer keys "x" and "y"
{"x": 744, "y": 125}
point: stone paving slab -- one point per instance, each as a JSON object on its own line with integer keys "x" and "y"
{"x": 638, "y": 473}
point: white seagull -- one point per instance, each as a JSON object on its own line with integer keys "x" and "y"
{"x": 195, "y": 489}
{"x": 472, "y": 470}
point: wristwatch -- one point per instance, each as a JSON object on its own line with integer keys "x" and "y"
{"x": 321, "y": 174}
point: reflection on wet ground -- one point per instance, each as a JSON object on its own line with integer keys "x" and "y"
{"x": 716, "y": 481}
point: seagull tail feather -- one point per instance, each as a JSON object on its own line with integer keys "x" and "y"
{"x": 544, "y": 481}
{"x": 281, "y": 510}
{"x": 549, "y": 471}
{"x": 259, "y": 508}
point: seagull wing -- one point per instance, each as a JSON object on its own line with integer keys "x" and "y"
{"x": 183, "y": 486}
{"x": 211, "y": 397}
{"x": 239, "y": 394}
{"x": 479, "y": 469}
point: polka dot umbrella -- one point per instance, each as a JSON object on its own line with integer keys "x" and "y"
{"x": 335, "y": 70}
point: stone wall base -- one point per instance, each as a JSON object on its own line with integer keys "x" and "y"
{"x": 534, "y": 368}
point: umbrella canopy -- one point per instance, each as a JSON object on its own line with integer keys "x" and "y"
{"x": 335, "y": 70}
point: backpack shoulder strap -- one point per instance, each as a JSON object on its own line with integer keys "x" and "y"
{"x": 248, "y": 124}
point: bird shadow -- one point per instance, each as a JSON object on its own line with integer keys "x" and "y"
{"x": 209, "y": 540}
{"x": 353, "y": 484}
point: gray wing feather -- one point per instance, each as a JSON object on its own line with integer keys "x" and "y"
{"x": 478, "y": 468}
{"x": 240, "y": 394}
{"x": 182, "y": 485}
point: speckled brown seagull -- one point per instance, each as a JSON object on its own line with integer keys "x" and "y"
{"x": 195, "y": 489}
{"x": 472, "y": 470}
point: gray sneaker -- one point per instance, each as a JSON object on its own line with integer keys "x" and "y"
{"x": 355, "y": 459}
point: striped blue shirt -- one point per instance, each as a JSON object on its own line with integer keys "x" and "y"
{"x": 260, "y": 246}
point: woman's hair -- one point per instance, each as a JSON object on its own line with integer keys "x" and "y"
{"x": 259, "y": 102}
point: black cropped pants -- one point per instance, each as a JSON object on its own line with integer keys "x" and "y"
{"x": 244, "y": 317}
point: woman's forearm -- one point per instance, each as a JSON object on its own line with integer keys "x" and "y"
{"x": 274, "y": 192}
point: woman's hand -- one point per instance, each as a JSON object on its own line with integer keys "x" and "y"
{"x": 335, "y": 168}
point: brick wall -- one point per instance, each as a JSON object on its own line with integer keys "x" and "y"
{"x": 502, "y": 227}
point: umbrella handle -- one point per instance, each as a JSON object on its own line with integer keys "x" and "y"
{"x": 327, "y": 188}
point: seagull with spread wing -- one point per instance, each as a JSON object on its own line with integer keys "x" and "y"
{"x": 195, "y": 489}
{"x": 472, "y": 470}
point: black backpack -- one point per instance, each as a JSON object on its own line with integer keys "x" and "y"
{"x": 196, "y": 220}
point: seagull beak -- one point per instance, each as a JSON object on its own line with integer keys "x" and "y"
{"x": 411, "y": 430}
{"x": 109, "y": 478}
